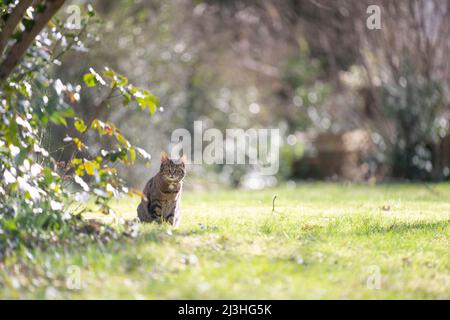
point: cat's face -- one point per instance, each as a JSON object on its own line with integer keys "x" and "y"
{"x": 172, "y": 170}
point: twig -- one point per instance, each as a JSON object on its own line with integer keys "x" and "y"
{"x": 273, "y": 203}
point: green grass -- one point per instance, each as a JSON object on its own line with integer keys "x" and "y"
{"x": 322, "y": 242}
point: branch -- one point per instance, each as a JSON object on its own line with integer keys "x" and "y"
{"x": 20, "y": 47}
{"x": 53, "y": 59}
{"x": 12, "y": 21}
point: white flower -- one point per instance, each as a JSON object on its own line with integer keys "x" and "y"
{"x": 35, "y": 169}
{"x": 14, "y": 150}
{"x": 55, "y": 205}
{"x": 9, "y": 177}
{"x": 81, "y": 183}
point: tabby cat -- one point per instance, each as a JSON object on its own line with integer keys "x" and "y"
{"x": 162, "y": 193}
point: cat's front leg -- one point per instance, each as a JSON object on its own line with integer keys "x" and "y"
{"x": 155, "y": 211}
{"x": 174, "y": 216}
{"x": 174, "y": 220}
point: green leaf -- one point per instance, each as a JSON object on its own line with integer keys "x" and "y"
{"x": 79, "y": 144}
{"x": 90, "y": 167}
{"x": 67, "y": 113}
{"x": 90, "y": 80}
{"x": 122, "y": 140}
{"x": 11, "y": 132}
{"x": 132, "y": 152}
{"x": 90, "y": 10}
{"x": 28, "y": 24}
{"x": 126, "y": 98}
{"x": 109, "y": 73}
{"x": 25, "y": 89}
{"x": 80, "y": 125}
{"x": 98, "y": 78}
{"x": 49, "y": 178}
{"x": 56, "y": 118}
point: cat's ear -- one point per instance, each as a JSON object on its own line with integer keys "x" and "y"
{"x": 164, "y": 156}
{"x": 183, "y": 159}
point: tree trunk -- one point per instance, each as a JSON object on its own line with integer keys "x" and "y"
{"x": 20, "y": 47}
{"x": 12, "y": 21}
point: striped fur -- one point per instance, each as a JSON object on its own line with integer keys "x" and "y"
{"x": 162, "y": 193}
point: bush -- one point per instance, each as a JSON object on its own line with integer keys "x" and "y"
{"x": 413, "y": 104}
{"x": 36, "y": 190}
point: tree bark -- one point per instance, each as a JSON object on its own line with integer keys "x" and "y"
{"x": 12, "y": 21}
{"x": 20, "y": 47}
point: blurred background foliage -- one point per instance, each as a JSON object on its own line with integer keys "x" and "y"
{"x": 343, "y": 96}
{"x": 307, "y": 67}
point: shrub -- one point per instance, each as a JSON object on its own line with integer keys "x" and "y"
{"x": 36, "y": 190}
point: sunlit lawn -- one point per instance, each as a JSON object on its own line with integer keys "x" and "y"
{"x": 322, "y": 241}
